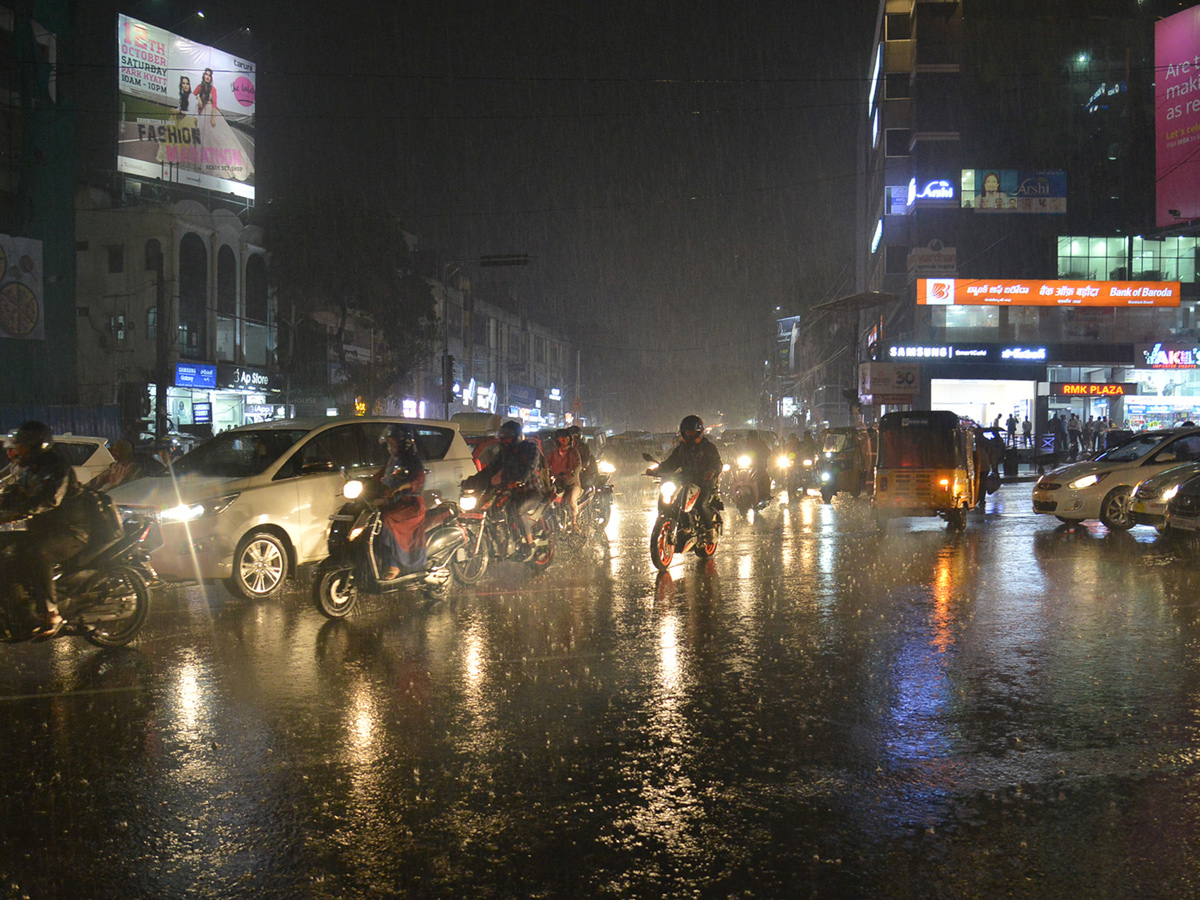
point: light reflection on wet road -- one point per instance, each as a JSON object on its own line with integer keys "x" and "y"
{"x": 822, "y": 710}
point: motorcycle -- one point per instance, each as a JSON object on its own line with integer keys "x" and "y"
{"x": 492, "y": 535}
{"x": 678, "y": 527}
{"x": 802, "y": 476}
{"x": 745, "y": 485}
{"x": 353, "y": 567}
{"x": 103, "y": 592}
{"x": 602, "y": 506}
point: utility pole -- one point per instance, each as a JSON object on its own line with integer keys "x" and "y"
{"x": 162, "y": 348}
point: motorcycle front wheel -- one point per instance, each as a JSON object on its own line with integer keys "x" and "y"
{"x": 335, "y": 592}
{"x": 662, "y": 544}
{"x": 122, "y": 602}
{"x": 543, "y": 542}
{"x": 468, "y": 566}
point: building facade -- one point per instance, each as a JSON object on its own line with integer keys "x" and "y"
{"x": 1007, "y": 200}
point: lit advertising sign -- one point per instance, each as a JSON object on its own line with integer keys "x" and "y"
{"x": 1014, "y": 191}
{"x": 1167, "y": 356}
{"x": 187, "y": 111}
{"x": 938, "y": 192}
{"x": 897, "y": 201}
{"x": 976, "y": 353}
{"x": 1090, "y": 389}
{"x": 993, "y": 292}
{"x": 22, "y": 308}
{"x": 195, "y": 375}
{"x": 1177, "y": 117}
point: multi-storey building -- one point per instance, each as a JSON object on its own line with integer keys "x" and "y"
{"x": 1007, "y": 202}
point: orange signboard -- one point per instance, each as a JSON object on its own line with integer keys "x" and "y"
{"x": 1001, "y": 292}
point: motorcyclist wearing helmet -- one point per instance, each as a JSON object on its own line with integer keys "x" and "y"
{"x": 565, "y": 469}
{"x": 45, "y": 490}
{"x": 698, "y": 460}
{"x": 516, "y": 469}
{"x": 402, "y": 541}
{"x": 754, "y": 447}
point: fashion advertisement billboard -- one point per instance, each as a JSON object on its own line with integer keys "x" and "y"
{"x": 1000, "y": 292}
{"x": 1014, "y": 191}
{"x": 1177, "y": 117}
{"x": 186, "y": 111}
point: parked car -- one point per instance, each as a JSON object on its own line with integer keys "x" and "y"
{"x": 1151, "y": 496}
{"x": 253, "y": 503}
{"x": 1102, "y": 488}
{"x": 1183, "y": 509}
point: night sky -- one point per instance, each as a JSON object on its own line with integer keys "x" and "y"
{"x": 676, "y": 170}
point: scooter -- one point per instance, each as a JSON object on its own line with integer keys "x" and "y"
{"x": 103, "y": 592}
{"x": 352, "y": 566}
{"x": 678, "y": 528}
{"x": 745, "y": 487}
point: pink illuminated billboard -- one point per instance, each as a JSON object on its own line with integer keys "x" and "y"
{"x": 1177, "y": 117}
{"x": 186, "y": 110}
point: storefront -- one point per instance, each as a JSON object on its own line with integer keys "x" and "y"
{"x": 209, "y": 398}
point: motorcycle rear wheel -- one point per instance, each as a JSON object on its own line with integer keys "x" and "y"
{"x": 706, "y": 551}
{"x": 335, "y": 592}
{"x": 662, "y": 544}
{"x": 124, "y": 591}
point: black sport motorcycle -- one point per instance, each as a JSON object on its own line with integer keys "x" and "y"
{"x": 678, "y": 528}
{"x": 352, "y": 566}
{"x": 103, "y": 592}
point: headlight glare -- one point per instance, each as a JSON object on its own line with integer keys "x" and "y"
{"x": 606, "y": 467}
{"x": 468, "y": 502}
{"x": 1086, "y": 481}
{"x": 668, "y": 489}
{"x": 186, "y": 512}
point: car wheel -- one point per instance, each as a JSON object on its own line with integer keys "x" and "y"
{"x": 1116, "y": 512}
{"x": 260, "y": 566}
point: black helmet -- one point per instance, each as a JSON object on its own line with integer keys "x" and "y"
{"x": 562, "y": 434}
{"x": 510, "y": 429}
{"x": 37, "y": 435}
{"x": 691, "y": 427}
{"x": 403, "y": 435}
{"x": 575, "y": 430}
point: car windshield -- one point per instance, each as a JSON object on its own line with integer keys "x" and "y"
{"x": 238, "y": 454}
{"x": 916, "y": 447}
{"x": 837, "y": 441}
{"x": 1135, "y": 448}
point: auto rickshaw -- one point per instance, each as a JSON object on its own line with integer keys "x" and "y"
{"x": 929, "y": 464}
{"x": 846, "y": 461}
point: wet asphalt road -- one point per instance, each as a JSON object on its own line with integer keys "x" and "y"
{"x": 821, "y": 711}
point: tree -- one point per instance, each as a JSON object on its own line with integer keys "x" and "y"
{"x": 340, "y": 260}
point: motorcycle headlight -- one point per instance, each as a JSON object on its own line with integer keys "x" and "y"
{"x": 808, "y": 462}
{"x": 784, "y": 462}
{"x": 352, "y": 490}
{"x": 826, "y": 476}
{"x": 668, "y": 489}
{"x": 743, "y": 462}
{"x": 186, "y": 512}
{"x": 725, "y": 467}
{"x": 1087, "y": 481}
{"x": 468, "y": 502}
{"x": 605, "y": 467}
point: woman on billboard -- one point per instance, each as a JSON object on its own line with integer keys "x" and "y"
{"x": 222, "y": 153}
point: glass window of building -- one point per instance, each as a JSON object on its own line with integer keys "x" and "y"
{"x": 896, "y": 141}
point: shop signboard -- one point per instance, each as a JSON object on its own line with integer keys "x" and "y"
{"x": 935, "y": 259}
{"x": 1177, "y": 117}
{"x": 195, "y": 375}
{"x": 1014, "y": 191}
{"x": 245, "y": 378}
{"x": 1166, "y": 356}
{"x": 186, "y": 110}
{"x": 1067, "y": 294}
{"x": 202, "y": 413}
{"x": 975, "y": 353}
{"x": 903, "y": 379}
{"x": 931, "y": 192}
{"x": 1093, "y": 389}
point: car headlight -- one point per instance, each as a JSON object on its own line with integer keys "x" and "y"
{"x": 352, "y": 490}
{"x": 1087, "y": 481}
{"x": 468, "y": 502}
{"x": 743, "y": 462}
{"x": 725, "y": 467}
{"x": 784, "y": 462}
{"x": 668, "y": 489}
{"x": 1169, "y": 493}
{"x": 606, "y": 467}
{"x": 186, "y": 512}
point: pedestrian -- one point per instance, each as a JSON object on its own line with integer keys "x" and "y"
{"x": 1027, "y": 431}
{"x": 1089, "y": 434}
{"x": 1059, "y": 429}
{"x": 1074, "y": 435}
{"x": 1011, "y": 426}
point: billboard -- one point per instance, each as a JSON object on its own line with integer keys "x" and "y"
{"x": 22, "y": 305}
{"x": 998, "y": 292}
{"x": 1014, "y": 191}
{"x": 186, "y": 111}
{"x": 1177, "y": 117}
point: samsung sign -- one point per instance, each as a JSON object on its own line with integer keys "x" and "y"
{"x": 966, "y": 353}
{"x": 931, "y": 193}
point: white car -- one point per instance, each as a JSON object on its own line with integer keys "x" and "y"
{"x": 1102, "y": 488}
{"x": 89, "y": 456}
{"x": 253, "y": 503}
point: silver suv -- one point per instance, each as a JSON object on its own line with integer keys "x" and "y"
{"x": 253, "y": 503}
